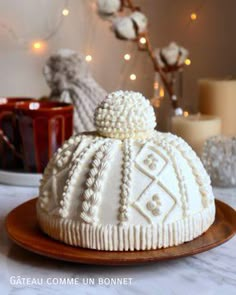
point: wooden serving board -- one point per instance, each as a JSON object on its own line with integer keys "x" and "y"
{"x": 22, "y": 228}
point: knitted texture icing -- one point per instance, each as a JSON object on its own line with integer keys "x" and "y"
{"x": 130, "y": 189}
{"x": 125, "y": 114}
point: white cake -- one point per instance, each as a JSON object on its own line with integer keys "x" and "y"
{"x": 125, "y": 186}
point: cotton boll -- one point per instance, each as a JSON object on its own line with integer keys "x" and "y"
{"x": 108, "y": 6}
{"x": 65, "y": 52}
{"x": 171, "y": 53}
{"x": 179, "y": 112}
{"x": 124, "y": 28}
{"x": 171, "y": 57}
{"x": 140, "y": 20}
{"x": 129, "y": 26}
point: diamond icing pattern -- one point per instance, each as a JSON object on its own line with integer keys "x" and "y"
{"x": 155, "y": 203}
{"x": 150, "y": 161}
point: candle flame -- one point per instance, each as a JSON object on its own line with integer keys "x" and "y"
{"x": 162, "y": 92}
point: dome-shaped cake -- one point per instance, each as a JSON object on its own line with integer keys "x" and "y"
{"x": 125, "y": 186}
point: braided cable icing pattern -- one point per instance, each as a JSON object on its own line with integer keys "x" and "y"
{"x": 92, "y": 193}
{"x": 72, "y": 178}
{"x": 126, "y": 180}
{"x": 201, "y": 176}
{"x": 179, "y": 174}
{"x": 60, "y": 159}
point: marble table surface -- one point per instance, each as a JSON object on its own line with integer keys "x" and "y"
{"x": 22, "y": 272}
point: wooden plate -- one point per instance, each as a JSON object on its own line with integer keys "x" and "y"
{"x": 22, "y": 228}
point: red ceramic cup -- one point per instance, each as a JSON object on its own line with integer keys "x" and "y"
{"x": 42, "y": 127}
{"x": 9, "y": 144}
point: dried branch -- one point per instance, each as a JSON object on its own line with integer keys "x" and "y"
{"x": 168, "y": 85}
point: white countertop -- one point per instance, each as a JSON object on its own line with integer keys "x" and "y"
{"x": 22, "y": 272}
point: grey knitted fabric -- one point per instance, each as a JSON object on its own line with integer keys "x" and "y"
{"x": 68, "y": 76}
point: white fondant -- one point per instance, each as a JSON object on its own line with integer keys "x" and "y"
{"x": 124, "y": 192}
{"x": 126, "y": 181}
{"x": 125, "y": 114}
{"x": 92, "y": 193}
{"x": 111, "y": 237}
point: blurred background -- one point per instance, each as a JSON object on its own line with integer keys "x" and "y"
{"x": 209, "y": 39}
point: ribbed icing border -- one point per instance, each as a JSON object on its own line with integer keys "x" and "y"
{"x": 126, "y": 238}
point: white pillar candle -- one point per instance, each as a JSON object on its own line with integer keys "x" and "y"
{"x": 195, "y": 129}
{"x": 218, "y": 97}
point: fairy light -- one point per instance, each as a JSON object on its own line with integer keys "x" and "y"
{"x": 88, "y": 58}
{"x": 38, "y": 46}
{"x": 143, "y": 40}
{"x": 186, "y": 114}
{"x": 193, "y": 16}
{"x": 65, "y": 11}
{"x": 132, "y": 77}
{"x": 127, "y": 56}
{"x": 187, "y": 61}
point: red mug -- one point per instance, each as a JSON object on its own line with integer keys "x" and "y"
{"x": 41, "y": 128}
{"x": 9, "y": 157}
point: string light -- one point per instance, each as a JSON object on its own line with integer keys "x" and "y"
{"x": 186, "y": 114}
{"x": 127, "y": 56}
{"x": 188, "y": 62}
{"x": 38, "y": 46}
{"x": 142, "y": 40}
{"x": 88, "y": 58}
{"x": 65, "y": 11}
{"x": 193, "y": 16}
{"x": 132, "y": 77}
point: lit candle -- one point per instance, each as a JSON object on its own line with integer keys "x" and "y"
{"x": 218, "y": 97}
{"x": 196, "y": 129}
